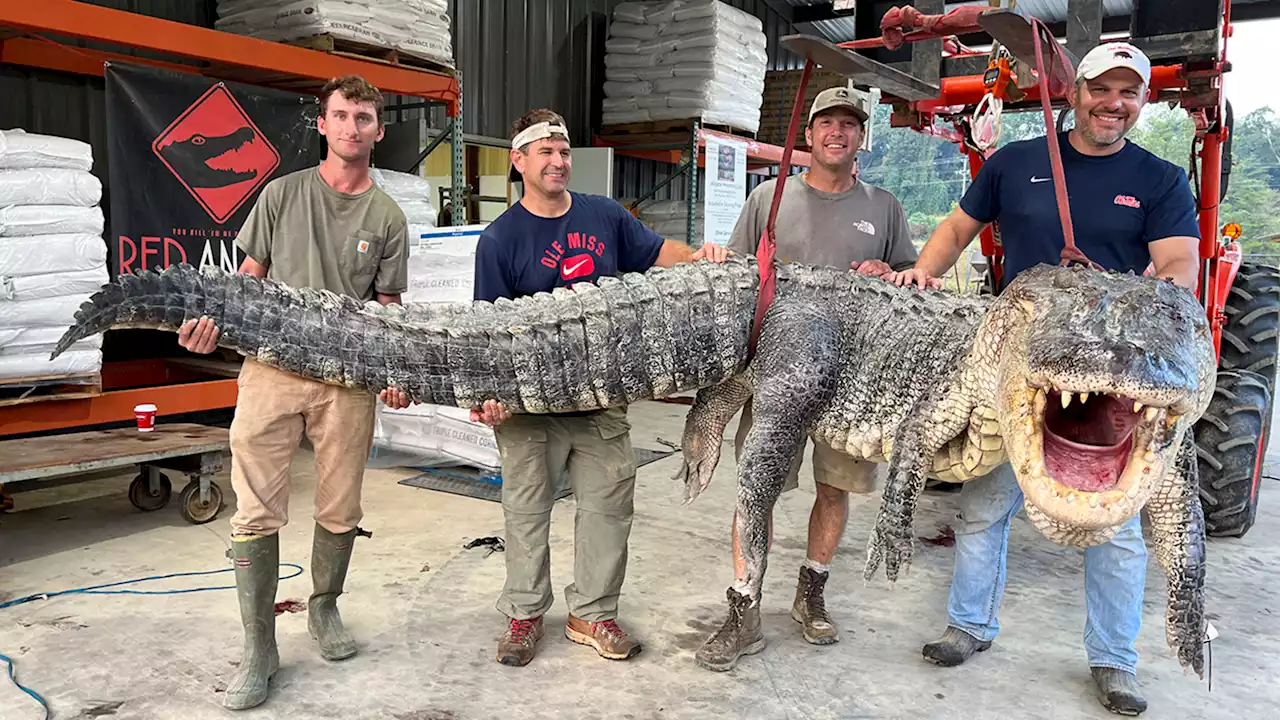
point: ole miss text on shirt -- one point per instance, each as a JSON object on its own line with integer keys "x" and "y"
{"x": 522, "y": 254}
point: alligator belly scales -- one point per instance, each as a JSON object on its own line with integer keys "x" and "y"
{"x": 1087, "y": 383}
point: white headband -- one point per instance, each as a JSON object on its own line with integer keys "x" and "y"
{"x": 538, "y": 132}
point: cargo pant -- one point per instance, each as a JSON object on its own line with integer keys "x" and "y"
{"x": 273, "y": 410}
{"x": 830, "y": 466}
{"x": 596, "y": 450}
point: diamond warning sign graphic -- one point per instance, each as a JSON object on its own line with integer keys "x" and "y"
{"x": 217, "y": 153}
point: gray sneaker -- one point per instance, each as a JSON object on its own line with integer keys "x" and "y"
{"x": 739, "y": 635}
{"x": 810, "y": 610}
{"x": 1118, "y": 691}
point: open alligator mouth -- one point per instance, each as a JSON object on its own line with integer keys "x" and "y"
{"x": 1094, "y": 448}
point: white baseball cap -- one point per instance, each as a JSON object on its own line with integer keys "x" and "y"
{"x": 1112, "y": 55}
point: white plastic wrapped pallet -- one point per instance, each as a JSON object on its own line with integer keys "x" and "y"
{"x": 52, "y": 255}
{"x": 684, "y": 59}
{"x": 40, "y": 341}
{"x": 30, "y": 220}
{"x": 441, "y": 271}
{"x": 419, "y": 28}
{"x": 21, "y": 150}
{"x": 411, "y": 192}
{"x": 49, "y": 186}
{"x": 43, "y": 254}
{"x": 669, "y": 218}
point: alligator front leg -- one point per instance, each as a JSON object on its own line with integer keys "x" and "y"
{"x": 923, "y": 433}
{"x": 796, "y": 376}
{"x": 1177, "y": 529}
{"x": 704, "y": 432}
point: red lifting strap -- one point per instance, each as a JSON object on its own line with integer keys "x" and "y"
{"x": 958, "y": 21}
{"x": 1057, "y": 83}
{"x": 768, "y": 239}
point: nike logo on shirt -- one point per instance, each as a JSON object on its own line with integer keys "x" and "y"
{"x": 1035, "y": 179}
{"x": 570, "y": 269}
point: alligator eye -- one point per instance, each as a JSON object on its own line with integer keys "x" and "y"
{"x": 197, "y": 139}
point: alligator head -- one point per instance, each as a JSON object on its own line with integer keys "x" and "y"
{"x": 190, "y": 158}
{"x": 1098, "y": 380}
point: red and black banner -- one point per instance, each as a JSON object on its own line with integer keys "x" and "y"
{"x": 188, "y": 157}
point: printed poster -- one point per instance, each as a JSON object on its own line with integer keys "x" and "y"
{"x": 189, "y": 156}
{"x": 724, "y": 187}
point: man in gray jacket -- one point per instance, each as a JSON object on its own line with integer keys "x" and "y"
{"x": 827, "y": 217}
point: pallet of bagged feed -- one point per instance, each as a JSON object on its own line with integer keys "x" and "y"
{"x": 20, "y": 390}
{"x": 408, "y": 33}
{"x": 668, "y": 127}
{"x": 338, "y": 45}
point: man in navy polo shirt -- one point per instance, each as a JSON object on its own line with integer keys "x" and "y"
{"x": 1129, "y": 209}
{"x": 555, "y": 238}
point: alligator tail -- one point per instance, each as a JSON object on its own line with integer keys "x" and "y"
{"x": 600, "y": 345}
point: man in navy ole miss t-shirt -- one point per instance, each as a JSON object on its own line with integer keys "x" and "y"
{"x": 521, "y": 253}
{"x": 554, "y": 238}
{"x": 1128, "y": 209}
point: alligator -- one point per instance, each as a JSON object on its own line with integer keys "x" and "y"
{"x": 190, "y": 158}
{"x": 1087, "y": 382}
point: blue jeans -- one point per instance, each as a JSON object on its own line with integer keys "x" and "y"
{"x": 1115, "y": 573}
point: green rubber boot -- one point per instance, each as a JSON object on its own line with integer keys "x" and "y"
{"x": 257, "y": 562}
{"x": 330, "y": 557}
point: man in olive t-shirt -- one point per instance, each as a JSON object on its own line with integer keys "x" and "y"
{"x": 826, "y": 217}
{"x": 325, "y": 227}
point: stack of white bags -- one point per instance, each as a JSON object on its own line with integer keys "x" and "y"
{"x": 52, "y": 254}
{"x": 411, "y": 192}
{"x": 684, "y": 59}
{"x": 670, "y": 218}
{"x": 414, "y": 27}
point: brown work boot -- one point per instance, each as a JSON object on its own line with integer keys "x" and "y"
{"x": 739, "y": 635}
{"x": 518, "y": 645}
{"x": 810, "y": 610}
{"x": 606, "y": 637}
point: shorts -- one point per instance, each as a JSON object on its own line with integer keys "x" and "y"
{"x": 830, "y": 466}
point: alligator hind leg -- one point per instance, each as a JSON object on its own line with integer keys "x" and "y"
{"x": 704, "y": 431}
{"x": 796, "y": 373}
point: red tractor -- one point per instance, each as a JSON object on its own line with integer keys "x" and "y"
{"x": 937, "y": 93}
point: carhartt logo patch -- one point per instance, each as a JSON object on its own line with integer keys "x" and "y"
{"x": 1128, "y": 201}
{"x": 363, "y": 247}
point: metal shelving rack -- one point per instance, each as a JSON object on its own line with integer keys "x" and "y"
{"x": 685, "y": 148}
{"x": 44, "y": 34}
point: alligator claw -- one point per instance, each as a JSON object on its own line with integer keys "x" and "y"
{"x": 890, "y": 545}
{"x": 697, "y": 468}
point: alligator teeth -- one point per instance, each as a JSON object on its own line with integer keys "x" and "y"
{"x": 1066, "y": 399}
{"x": 1151, "y": 414}
{"x": 1041, "y": 400}
{"x": 1084, "y": 397}
{"x": 1137, "y": 406}
{"x": 1171, "y": 419}
{"x": 1093, "y": 500}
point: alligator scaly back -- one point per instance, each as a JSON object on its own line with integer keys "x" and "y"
{"x": 598, "y": 345}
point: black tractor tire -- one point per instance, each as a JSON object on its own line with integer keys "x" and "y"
{"x": 1230, "y": 436}
{"x": 1249, "y": 337}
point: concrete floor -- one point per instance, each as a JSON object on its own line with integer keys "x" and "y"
{"x": 422, "y": 609}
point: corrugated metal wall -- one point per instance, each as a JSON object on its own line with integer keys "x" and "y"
{"x": 513, "y": 55}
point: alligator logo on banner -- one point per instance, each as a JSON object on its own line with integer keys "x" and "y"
{"x": 188, "y": 157}
{"x": 217, "y": 153}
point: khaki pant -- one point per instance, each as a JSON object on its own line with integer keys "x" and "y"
{"x": 596, "y": 449}
{"x": 273, "y": 410}
{"x": 830, "y": 466}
